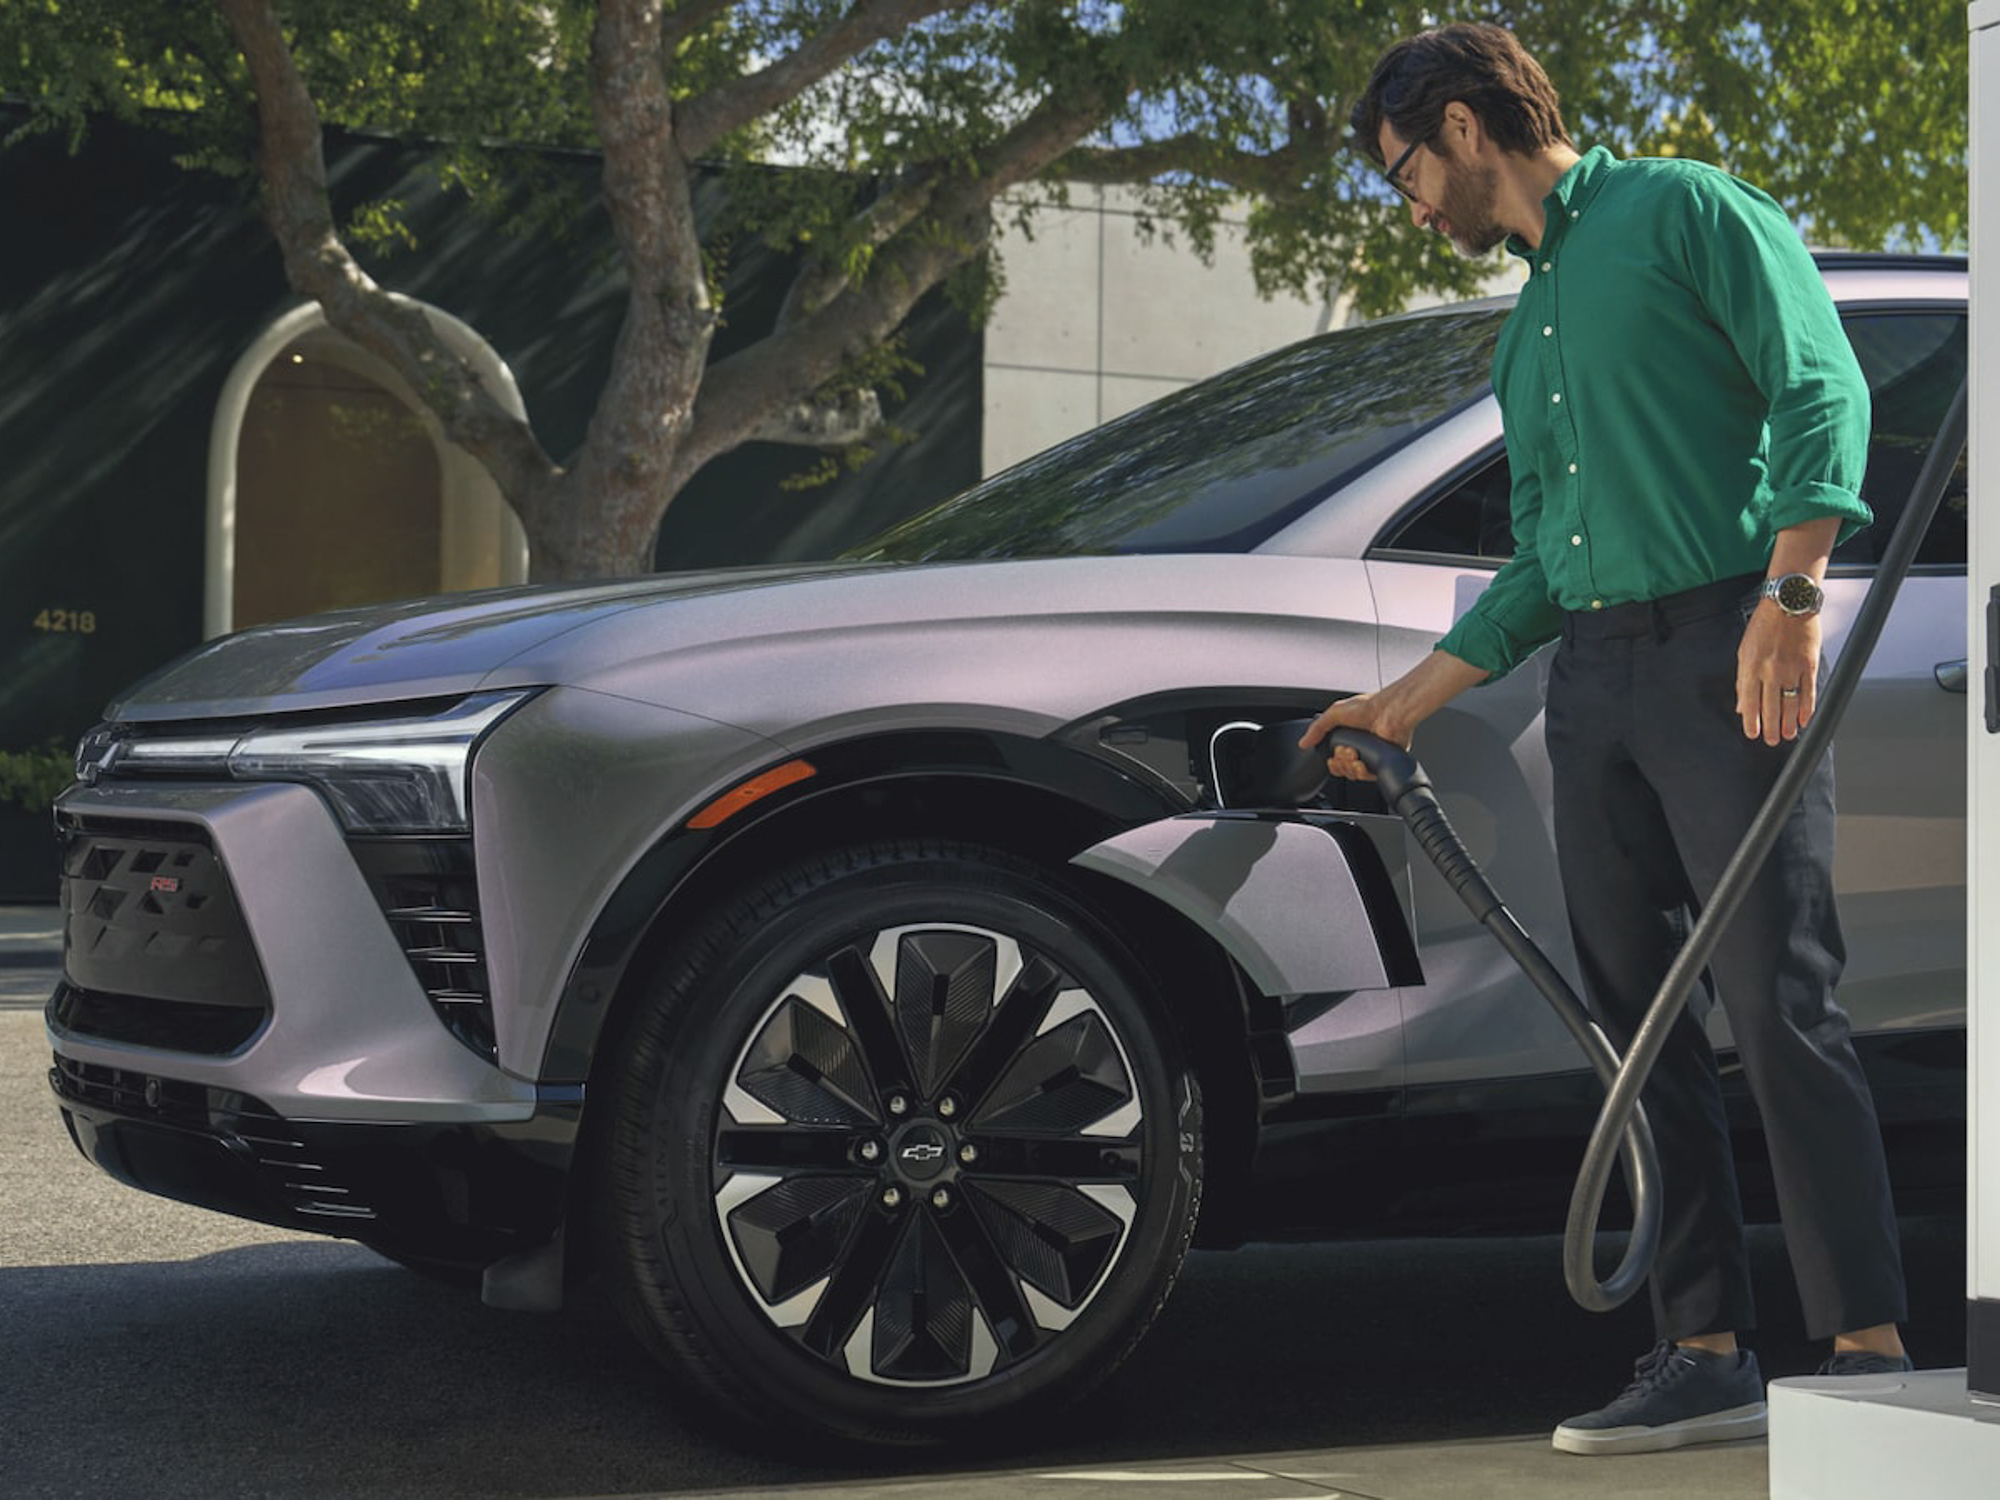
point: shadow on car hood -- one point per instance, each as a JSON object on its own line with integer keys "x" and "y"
{"x": 415, "y": 648}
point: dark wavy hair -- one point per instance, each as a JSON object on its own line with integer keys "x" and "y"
{"x": 1480, "y": 65}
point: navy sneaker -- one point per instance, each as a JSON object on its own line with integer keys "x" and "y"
{"x": 1861, "y": 1362}
{"x": 1677, "y": 1397}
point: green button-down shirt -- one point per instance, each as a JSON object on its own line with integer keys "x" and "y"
{"x": 1675, "y": 388}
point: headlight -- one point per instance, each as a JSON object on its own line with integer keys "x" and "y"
{"x": 380, "y": 775}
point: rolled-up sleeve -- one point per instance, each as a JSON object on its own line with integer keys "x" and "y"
{"x": 1758, "y": 279}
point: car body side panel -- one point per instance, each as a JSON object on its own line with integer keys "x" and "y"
{"x": 1484, "y": 755}
{"x": 575, "y": 791}
{"x": 1899, "y": 778}
{"x": 1899, "y": 865}
{"x": 743, "y": 689}
{"x": 593, "y": 777}
{"x": 1279, "y": 894}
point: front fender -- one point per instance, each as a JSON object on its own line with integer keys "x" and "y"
{"x": 1301, "y": 900}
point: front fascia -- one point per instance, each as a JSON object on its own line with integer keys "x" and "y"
{"x": 352, "y": 1035}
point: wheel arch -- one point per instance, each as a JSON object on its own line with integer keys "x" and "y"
{"x": 1037, "y": 799}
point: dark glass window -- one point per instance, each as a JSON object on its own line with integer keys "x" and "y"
{"x": 1471, "y": 521}
{"x": 1224, "y": 464}
{"x": 1913, "y": 363}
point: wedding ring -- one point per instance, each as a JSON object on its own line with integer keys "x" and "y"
{"x": 1788, "y": 692}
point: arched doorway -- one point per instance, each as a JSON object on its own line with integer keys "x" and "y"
{"x": 329, "y": 485}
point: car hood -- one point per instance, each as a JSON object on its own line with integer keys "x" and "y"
{"x": 412, "y": 649}
{"x": 803, "y": 655}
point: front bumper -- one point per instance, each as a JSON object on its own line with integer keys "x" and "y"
{"x": 464, "y": 1193}
{"x": 245, "y": 1024}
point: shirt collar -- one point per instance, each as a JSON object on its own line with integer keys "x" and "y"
{"x": 1570, "y": 196}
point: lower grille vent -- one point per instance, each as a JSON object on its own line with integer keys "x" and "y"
{"x": 430, "y": 895}
{"x": 142, "y": 1021}
{"x": 292, "y": 1174}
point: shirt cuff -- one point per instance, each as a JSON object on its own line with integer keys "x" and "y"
{"x": 1476, "y": 640}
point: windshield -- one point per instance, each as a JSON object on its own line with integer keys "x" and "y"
{"x": 1224, "y": 464}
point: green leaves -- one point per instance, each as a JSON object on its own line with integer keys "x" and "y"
{"x": 1852, "y": 115}
{"x": 876, "y": 144}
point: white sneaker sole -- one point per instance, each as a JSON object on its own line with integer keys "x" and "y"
{"x": 1713, "y": 1427}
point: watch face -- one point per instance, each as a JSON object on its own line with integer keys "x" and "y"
{"x": 1797, "y": 594}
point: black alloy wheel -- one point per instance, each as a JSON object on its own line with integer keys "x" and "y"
{"x": 903, "y": 1150}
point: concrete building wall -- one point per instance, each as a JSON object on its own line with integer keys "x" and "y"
{"x": 1100, "y": 317}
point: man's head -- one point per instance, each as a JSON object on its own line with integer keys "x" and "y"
{"x": 1443, "y": 114}
{"x": 1480, "y": 66}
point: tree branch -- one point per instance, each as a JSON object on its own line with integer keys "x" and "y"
{"x": 689, "y": 17}
{"x": 299, "y": 210}
{"x": 705, "y": 119}
{"x": 1275, "y": 174}
{"x": 793, "y": 363}
{"x": 834, "y": 423}
{"x": 819, "y": 281}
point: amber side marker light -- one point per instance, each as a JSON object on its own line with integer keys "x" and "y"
{"x": 756, "y": 789}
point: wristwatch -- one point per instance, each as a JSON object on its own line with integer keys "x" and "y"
{"x": 1795, "y": 593}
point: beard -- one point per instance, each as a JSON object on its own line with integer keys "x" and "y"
{"x": 1466, "y": 206}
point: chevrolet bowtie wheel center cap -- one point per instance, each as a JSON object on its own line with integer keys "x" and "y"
{"x": 920, "y": 1151}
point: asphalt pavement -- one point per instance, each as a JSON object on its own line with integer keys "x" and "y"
{"x": 30, "y": 955}
{"x": 155, "y": 1348}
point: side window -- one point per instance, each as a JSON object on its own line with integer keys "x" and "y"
{"x": 1469, "y": 522}
{"x": 1914, "y": 362}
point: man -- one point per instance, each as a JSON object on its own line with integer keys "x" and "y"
{"x": 1687, "y": 427}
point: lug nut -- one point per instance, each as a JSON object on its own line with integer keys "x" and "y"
{"x": 892, "y": 1197}
{"x": 940, "y": 1199}
{"x": 968, "y": 1153}
{"x": 898, "y": 1105}
{"x": 871, "y": 1150}
{"x": 947, "y": 1107}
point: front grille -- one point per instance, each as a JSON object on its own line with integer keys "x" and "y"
{"x": 155, "y": 948}
{"x": 207, "y": 1030}
{"x": 290, "y": 1173}
{"x": 428, "y": 890}
{"x": 126, "y": 1092}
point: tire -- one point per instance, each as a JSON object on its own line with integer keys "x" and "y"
{"x": 903, "y": 1150}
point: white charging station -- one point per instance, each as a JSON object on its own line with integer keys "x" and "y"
{"x": 1936, "y": 1433}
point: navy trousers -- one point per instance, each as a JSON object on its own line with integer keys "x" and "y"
{"x": 1655, "y": 785}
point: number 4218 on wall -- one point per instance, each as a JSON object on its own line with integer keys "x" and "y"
{"x": 67, "y": 621}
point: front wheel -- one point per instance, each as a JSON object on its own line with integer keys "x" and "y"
{"x": 903, "y": 1150}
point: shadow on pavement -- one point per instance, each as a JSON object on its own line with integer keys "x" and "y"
{"x": 309, "y": 1369}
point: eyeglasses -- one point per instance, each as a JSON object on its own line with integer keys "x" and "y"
{"x": 1395, "y": 172}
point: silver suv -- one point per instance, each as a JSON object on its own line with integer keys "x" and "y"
{"x": 843, "y": 961}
